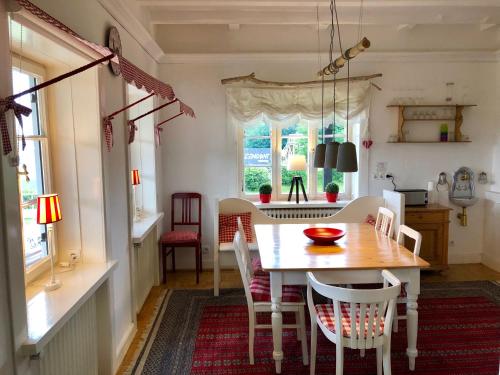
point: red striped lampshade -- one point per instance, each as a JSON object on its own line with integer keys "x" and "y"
{"x": 135, "y": 177}
{"x": 48, "y": 209}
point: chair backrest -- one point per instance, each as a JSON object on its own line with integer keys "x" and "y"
{"x": 372, "y": 303}
{"x": 385, "y": 221}
{"x": 189, "y": 214}
{"x": 245, "y": 251}
{"x": 405, "y": 230}
{"x": 246, "y": 277}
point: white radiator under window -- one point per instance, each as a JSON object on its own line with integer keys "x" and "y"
{"x": 299, "y": 213}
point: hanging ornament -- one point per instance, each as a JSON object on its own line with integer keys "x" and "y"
{"x": 366, "y": 140}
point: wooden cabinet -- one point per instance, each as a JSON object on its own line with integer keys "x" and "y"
{"x": 432, "y": 221}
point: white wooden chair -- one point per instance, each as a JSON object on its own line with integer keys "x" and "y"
{"x": 385, "y": 221}
{"x": 357, "y": 319}
{"x": 258, "y": 295}
{"x": 405, "y": 230}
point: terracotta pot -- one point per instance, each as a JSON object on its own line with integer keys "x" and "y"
{"x": 332, "y": 197}
{"x": 265, "y": 198}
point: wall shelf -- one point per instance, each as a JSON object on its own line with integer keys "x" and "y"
{"x": 458, "y": 120}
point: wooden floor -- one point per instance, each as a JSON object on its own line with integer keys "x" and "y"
{"x": 232, "y": 279}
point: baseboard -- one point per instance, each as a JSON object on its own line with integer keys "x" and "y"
{"x": 491, "y": 262}
{"x": 461, "y": 258}
{"x": 123, "y": 346}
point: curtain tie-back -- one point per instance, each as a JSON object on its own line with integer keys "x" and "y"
{"x": 108, "y": 132}
{"x": 131, "y": 131}
{"x": 158, "y": 130}
{"x": 19, "y": 111}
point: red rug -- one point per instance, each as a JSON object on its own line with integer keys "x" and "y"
{"x": 458, "y": 335}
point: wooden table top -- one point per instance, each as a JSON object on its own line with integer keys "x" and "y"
{"x": 284, "y": 247}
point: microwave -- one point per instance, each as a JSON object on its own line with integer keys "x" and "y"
{"x": 415, "y": 197}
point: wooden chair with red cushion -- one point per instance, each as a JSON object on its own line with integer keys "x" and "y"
{"x": 187, "y": 203}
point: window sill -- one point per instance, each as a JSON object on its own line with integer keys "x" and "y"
{"x": 47, "y": 312}
{"x": 142, "y": 227}
{"x": 301, "y": 204}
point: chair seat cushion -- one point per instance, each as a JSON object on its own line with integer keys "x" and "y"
{"x": 228, "y": 225}
{"x": 370, "y": 220}
{"x": 257, "y": 267}
{"x": 327, "y": 318}
{"x": 180, "y": 237}
{"x": 260, "y": 287}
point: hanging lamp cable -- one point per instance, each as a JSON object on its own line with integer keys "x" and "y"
{"x": 348, "y": 86}
{"x": 322, "y": 78}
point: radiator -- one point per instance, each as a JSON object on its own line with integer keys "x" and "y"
{"x": 146, "y": 265}
{"x": 299, "y": 213}
{"x": 73, "y": 350}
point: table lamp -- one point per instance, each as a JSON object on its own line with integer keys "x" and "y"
{"x": 297, "y": 163}
{"x": 135, "y": 181}
{"x": 49, "y": 212}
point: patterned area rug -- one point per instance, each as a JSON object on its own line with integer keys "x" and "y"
{"x": 196, "y": 333}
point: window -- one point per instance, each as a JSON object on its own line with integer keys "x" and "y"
{"x": 264, "y": 152}
{"x": 35, "y": 158}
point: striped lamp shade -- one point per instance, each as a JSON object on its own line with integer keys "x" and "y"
{"x": 135, "y": 177}
{"x": 48, "y": 209}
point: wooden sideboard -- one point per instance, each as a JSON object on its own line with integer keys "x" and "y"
{"x": 432, "y": 221}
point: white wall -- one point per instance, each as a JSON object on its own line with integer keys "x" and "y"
{"x": 89, "y": 19}
{"x": 198, "y": 156}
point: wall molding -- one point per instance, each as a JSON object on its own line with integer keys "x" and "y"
{"x": 126, "y": 18}
{"x": 123, "y": 346}
{"x": 464, "y": 258}
{"x": 229, "y": 58}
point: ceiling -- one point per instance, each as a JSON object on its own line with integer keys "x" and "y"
{"x": 211, "y": 26}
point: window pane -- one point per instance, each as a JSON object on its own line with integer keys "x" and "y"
{"x": 32, "y": 158}
{"x": 22, "y": 81}
{"x": 260, "y": 130}
{"x": 34, "y": 236}
{"x": 256, "y": 176}
{"x": 294, "y": 141}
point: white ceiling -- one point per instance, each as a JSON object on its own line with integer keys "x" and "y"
{"x": 198, "y": 26}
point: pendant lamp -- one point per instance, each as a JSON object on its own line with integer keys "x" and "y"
{"x": 319, "y": 153}
{"x": 347, "y": 160}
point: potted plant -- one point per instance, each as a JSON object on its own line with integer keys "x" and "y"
{"x": 265, "y": 191}
{"x": 332, "y": 192}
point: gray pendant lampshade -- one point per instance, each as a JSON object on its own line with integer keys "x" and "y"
{"x": 347, "y": 160}
{"x": 319, "y": 156}
{"x": 332, "y": 150}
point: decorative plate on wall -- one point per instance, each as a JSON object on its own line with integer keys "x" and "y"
{"x": 115, "y": 45}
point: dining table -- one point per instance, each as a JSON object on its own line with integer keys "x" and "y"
{"x": 356, "y": 258}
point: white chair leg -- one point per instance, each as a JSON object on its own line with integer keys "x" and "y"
{"x": 395, "y": 322}
{"x": 251, "y": 336}
{"x": 362, "y": 353}
{"x": 303, "y": 336}
{"x": 387, "y": 358}
{"x": 339, "y": 359}
{"x": 297, "y": 321}
{"x": 314, "y": 334}
{"x": 379, "y": 360}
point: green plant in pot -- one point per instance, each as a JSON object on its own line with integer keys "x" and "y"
{"x": 332, "y": 192}
{"x": 265, "y": 191}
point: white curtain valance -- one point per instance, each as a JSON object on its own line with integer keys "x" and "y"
{"x": 285, "y": 106}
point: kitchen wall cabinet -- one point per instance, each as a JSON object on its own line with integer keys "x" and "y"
{"x": 432, "y": 221}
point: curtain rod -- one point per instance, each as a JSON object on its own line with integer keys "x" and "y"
{"x": 251, "y": 78}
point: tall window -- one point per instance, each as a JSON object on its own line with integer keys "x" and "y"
{"x": 35, "y": 159}
{"x": 265, "y": 150}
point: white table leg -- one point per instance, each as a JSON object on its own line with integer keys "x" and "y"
{"x": 413, "y": 290}
{"x": 277, "y": 318}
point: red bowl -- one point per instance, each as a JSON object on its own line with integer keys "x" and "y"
{"x": 324, "y": 235}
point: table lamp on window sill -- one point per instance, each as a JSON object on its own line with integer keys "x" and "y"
{"x": 135, "y": 181}
{"x": 297, "y": 163}
{"x": 49, "y": 212}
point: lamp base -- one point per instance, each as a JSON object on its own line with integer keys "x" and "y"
{"x": 52, "y": 285}
{"x": 296, "y": 181}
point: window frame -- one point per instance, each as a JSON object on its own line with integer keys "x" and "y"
{"x": 38, "y": 71}
{"x": 277, "y": 194}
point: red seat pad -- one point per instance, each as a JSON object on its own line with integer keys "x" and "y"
{"x": 327, "y": 317}
{"x": 260, "y": 287}
{"x": 179, "y": 237}
{"x": 257, "y": 267}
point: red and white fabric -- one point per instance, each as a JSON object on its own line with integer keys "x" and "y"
{"x": 260, "y": 287}
{"x": 19, "y": 111}
{"x": 257, "y": 267}
{"x": 228, "y": 225}
{"x": 179, "y": 236}
{"x": 187, "y": 110}
{"x": 327, "y": 317}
